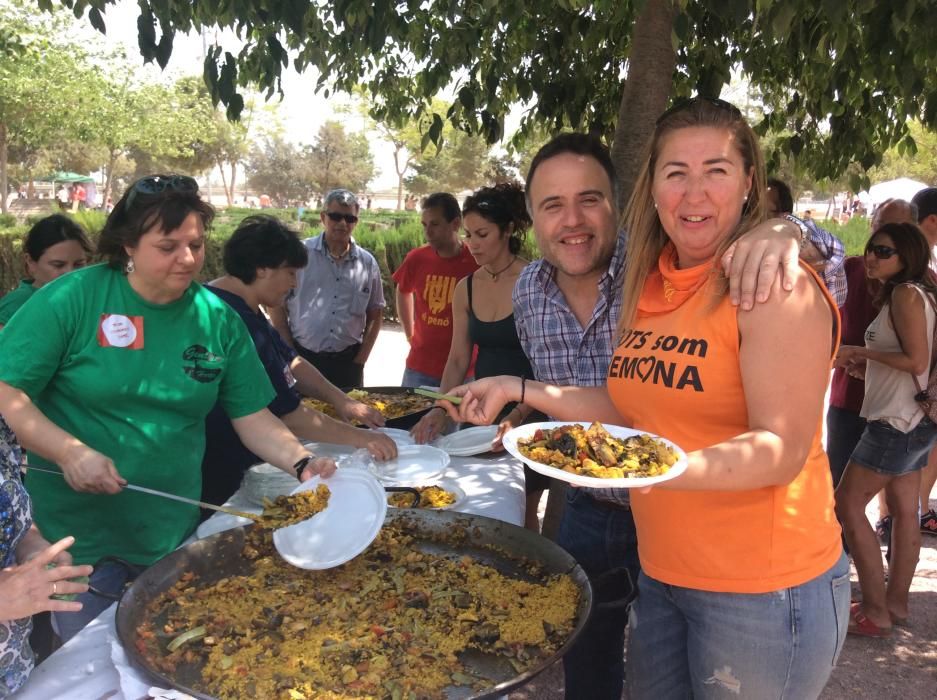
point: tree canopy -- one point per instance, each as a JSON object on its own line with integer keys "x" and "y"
{"x": 838, "y": 78}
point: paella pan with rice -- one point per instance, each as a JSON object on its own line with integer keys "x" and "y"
{"x": 442, "y": 605}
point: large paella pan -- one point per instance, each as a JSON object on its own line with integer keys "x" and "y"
{"x": 147, "y": 618}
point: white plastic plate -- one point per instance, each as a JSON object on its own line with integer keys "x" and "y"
{"x": 415, "y": 465}
{"x": 468, "y": 442}
{"x": 343, "y": 530}
{"x": 402, "y": 437}
{"x": 525, "y": 431}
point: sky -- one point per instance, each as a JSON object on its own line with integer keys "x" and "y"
{"x": 301, "y": 112}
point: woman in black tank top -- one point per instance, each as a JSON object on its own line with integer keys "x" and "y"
{"x": 495, "y": 220}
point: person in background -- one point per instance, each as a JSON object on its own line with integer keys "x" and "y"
{"x": 898, "y": 435}
{"x": 54, "y": 245}
{"x": 107, "y": 376}
{"x": 823, "y": 251}
{"x": 747, "y": 600}
{"x": 32, "y": 571}
{"x": 426, "y": 281}
{"x": 926, "y": 202}
{"x": 334, "y": 315}
{"x": 844, "y": 422}
{"x": 495, "y": 220}
{"x": 261, "y": 259}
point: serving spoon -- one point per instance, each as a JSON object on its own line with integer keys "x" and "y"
{"x": 163, "y": 494}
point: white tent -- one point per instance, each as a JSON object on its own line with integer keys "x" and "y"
{"x": 902, "y": 188}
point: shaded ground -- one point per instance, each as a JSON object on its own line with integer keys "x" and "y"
{"x": 903, "y": 666}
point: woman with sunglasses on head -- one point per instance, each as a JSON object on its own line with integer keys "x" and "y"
{"x": 495, "y": 221}
{"x": 744, "y": 588}
{"x": 898, "y": 436}
{"x": 110, "y": 378}
{"x": 54, "y": 245}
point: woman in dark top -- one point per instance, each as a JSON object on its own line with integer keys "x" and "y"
{"x": 495, "y": 221}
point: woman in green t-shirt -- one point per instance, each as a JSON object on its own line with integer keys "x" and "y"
{"x": 54, "y": 245}
{"x": 109, "y": 374}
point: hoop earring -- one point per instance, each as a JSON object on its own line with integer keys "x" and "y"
{"x": 129, "y": 267}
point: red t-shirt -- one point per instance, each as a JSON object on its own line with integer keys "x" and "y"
{"x": 857, "y": 313}
{"x": 432, "y": 281}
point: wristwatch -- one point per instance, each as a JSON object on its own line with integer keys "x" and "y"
{"x": 804, "y": 231}
{"x": 301, "y": 464}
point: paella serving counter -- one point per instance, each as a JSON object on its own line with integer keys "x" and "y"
{"x": 94, "y": 665}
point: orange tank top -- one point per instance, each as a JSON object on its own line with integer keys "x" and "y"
{"x": 676, "y": 373}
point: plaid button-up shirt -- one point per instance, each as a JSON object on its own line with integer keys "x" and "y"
{"x": 560, "y": 350}
{"x": 833, "y": 251}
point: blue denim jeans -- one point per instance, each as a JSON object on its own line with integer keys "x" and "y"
{"x": 604, "y": 542}
{"x": 843, "y": 430}
{"x": 109, "y": 577}
{"x": 686, "y": 643}
{"x": 413, "y": 378}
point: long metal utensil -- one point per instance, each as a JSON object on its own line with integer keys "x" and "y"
{"x": 171, "y": 496}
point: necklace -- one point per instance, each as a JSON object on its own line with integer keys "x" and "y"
{"x": 495, "y": 275}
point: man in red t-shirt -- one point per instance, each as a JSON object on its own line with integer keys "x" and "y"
{"x": 426, "y": 281}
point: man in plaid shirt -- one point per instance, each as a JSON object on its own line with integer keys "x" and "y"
{"x": 566, "y": 308}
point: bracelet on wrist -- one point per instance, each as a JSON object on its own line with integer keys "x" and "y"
{"x": 523, "y": 389}
{"x": 301, "y": 464}
{"x": 804, "y": 232}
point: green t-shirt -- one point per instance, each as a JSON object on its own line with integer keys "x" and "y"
{"x": 12, "y": 301}
{"x": 135, "y": 381}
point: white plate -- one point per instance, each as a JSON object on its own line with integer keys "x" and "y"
{"x": 403, "y": 438}
{"x": 223, "y": 521}
{"x": 343, "y": 530}
{"x": 449, "y": 485}
{"x": 415, "y": 465}
{"x": 524, "y": 431}
{"x": 327, "y": 449}
{"x": 468, "y": 442}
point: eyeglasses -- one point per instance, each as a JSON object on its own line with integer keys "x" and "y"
{"x": 681, "y": 105}
{"x": 882, "y": 252}
{"x": 347, "y": 218}
{"x": 156, "y": 184}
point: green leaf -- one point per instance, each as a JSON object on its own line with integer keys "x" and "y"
{"x": 97, "y": 20}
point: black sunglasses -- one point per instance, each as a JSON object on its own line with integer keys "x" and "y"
{"x": 681, "y": 105}
{"x": 347, "y": 218}
{"x": 156, "y": 184}
{"x": 882, "y": 252}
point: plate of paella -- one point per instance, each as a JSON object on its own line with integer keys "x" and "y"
{"x": 596, "y": 455}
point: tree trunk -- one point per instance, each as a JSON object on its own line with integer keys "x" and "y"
{"x": 234, "y": 173}
{"x": 224, "y": 181}
{"x": 3, "y": 168}
{"x": 109, "y": 180}
{"x": 650, "y": 77}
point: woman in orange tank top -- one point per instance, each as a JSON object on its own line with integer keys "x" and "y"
{"x": 744, "y": 586}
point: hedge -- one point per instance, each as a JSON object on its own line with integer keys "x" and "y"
{"x": 389, "y": 236}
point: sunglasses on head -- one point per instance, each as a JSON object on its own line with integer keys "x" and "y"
{"x": 882, "y": 252}
{"x": 156, "y": 184}
{"x": 347, "y": 218}
{"x": 681, "y": 105}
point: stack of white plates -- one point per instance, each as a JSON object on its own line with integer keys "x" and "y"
{"x": 468, "y": 442}
{"x": 266, "y": 481}
{"x": 415, "y": 465}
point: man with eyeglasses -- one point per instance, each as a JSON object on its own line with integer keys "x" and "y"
{"x": 334, "y": 315}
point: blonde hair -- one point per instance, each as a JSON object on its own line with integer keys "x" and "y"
{"x": 646, "y": 236}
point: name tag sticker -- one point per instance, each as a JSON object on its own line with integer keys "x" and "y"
{"x": 119, "y": 331}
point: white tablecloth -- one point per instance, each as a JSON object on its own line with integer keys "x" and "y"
{"x": 86, "y": 668}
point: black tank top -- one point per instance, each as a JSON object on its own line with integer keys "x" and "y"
{"x": 499, "y": 350}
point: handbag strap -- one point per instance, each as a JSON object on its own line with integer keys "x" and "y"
{"x": 933, "y": 355}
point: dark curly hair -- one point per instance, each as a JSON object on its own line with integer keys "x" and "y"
{"x": 914, "y": 252}
{"x": 503, "y": 205}
{"x": 262, "y": 241}
{"x": 138, "y": 212}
